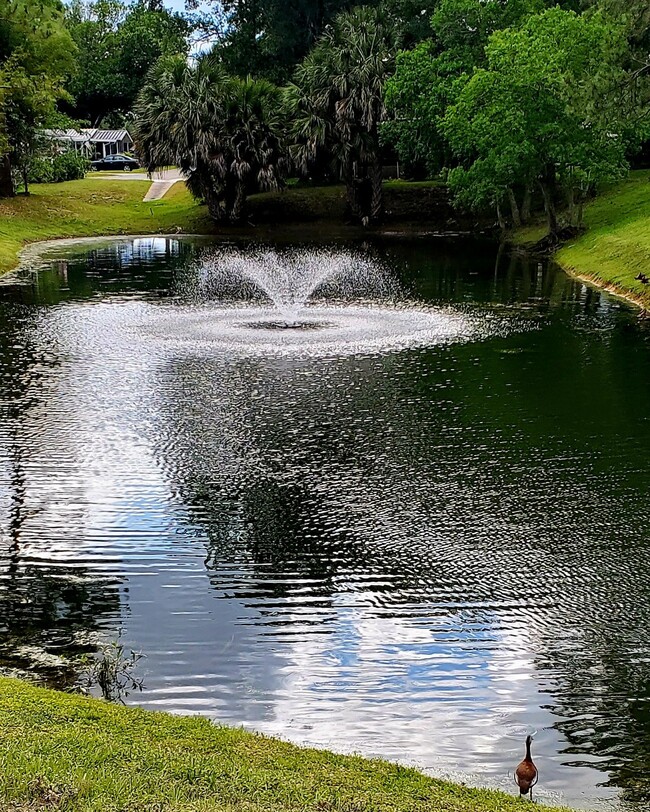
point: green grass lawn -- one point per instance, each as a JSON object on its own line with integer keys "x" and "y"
{"x": 91, "y": 207}
{"x": 616, "y": 245}
{"x": 64, "y": 752}
{"x": 100, "y": 206}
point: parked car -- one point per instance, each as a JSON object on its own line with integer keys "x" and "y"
{"x": 116, "y": 162}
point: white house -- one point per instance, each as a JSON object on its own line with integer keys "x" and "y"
{"x": 93, "y": 143}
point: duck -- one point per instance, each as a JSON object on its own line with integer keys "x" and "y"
{"x": 641, "y": 277}
{"x": 526, "y": 773}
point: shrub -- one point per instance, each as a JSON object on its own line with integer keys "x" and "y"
{"x": 69, "y": 166}
{"x": 66, "y": 166}
{"x": 41, "y": 171}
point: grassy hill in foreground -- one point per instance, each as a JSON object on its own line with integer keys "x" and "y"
{"x": 64, "y": 752}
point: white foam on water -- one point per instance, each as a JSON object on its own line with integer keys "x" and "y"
{"x": 322, "y": 330}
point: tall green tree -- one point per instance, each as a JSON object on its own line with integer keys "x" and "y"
{"x": 268, "y": 38}
{"x": 336, "y": 103}
{"x": 224, "y": 133}
{"x": 425, "y": 79}
{"x": 117, "y": 45}
{"x": 36, "y": 57}
{"x": 544, "y": 112}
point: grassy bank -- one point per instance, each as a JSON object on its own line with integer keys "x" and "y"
{"x": 616, "y": 245}
{"x": 96, "y": 206}
{"x": 64, "y": 752}
{"x": 91, "y": 207}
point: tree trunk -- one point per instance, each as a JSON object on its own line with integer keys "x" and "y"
{"x": 514, "y": 208}
{"x": 376, "y": 200}
{"x": 352, "y": 192}
{"x": 217, "y": 205}
{"x": 549, "y": 207}
{"x": 239, "y": 204}
{"x": 352, "y": 195}
{"x": 6, "y": 180}
{"x": 500, "y": 220}
{"x": 572, "y": 206}
{"x": 525, "y": 208}
{"x": 25, "y": 179}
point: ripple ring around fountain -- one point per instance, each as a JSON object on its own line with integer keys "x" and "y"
{"x": 321, "y": 330}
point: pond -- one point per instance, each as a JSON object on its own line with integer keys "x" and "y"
{"x": 419, "y": 534}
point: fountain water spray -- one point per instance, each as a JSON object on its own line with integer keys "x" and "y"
{"x": 302, "y": 301}
{"x": 290, "y": 279}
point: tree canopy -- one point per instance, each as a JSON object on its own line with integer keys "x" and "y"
{"x": 36, "y": 57}
{"x": 117, "y": 45}
{"x": 336, "y": 103}
{"x": 543, "y": 112}
{"x": 424, "y": 83}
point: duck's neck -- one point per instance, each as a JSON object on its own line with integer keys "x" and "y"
{"x": 528, "y": 758}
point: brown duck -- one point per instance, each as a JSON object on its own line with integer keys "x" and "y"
{"x": 526, "y": 772}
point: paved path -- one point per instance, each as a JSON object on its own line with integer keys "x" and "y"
{"x": 161, "y": 182}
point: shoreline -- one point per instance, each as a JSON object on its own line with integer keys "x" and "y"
{"x": 609, "y": 287}
{"x": 592, "y": 280}
{"x": 55, "y": 746}
{"x": 93, "y": 208}
{"x": 34, "y": 254}
{"x": 614, "y": 249}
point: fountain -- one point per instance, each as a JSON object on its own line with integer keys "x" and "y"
{"x": 310, "y": 301}
{"x": 291, "y": 279}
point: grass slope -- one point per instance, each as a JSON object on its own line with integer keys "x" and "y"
{"x": 616, "y": 245}
{"x": 91, "y": 207}
{"x": 64, "y": 752}
{"x": 97, "y": 206}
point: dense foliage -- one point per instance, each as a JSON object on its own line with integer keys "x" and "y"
{"x": 519, "y": 104}
{"x": 513, "y": 100}
{"x": 64, "y": 166}
{"x": 36, "y": 58}
{"x": 336, "y": 104}
{"x": 116, "y": 46}
{"x": 224, "y": 133}
{"x": 267, "y": 38}
{"x": 543, "y": 112}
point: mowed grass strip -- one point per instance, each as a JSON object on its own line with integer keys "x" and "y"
{"x": 616, "y": 246}
{"x": 93, "y": 207}
{"x": 99, "y": 206}
{"x": 59, "y": 751}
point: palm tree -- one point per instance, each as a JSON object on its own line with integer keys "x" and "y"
{"x": 336, "y": 103}
{"x": 223, "y": 133}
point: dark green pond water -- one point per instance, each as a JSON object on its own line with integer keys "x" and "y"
{"x": 420, "y": 543}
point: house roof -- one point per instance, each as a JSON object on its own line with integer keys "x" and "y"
{"x": 108, "y": 136}
{"x": 68, "y": 135}
{"x": 86, "y": 136}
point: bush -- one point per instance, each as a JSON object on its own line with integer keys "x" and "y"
{"x": 70, "y": 166}
{"x": 66, "y": 166}
{"x": 41, "y": 171}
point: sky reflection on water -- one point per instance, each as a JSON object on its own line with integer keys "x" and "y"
{"x": 422, "y": 554}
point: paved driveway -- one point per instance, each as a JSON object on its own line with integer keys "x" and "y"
{"x": 161, "y": 182}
